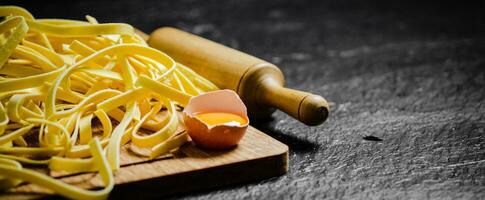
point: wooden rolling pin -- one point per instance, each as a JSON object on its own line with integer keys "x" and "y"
{"x": 258, "y": 83}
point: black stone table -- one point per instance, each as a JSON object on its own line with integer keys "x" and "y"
{"x": 405, "y": 79}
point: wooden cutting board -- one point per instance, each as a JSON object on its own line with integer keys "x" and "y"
{"x": 257, "y": 156}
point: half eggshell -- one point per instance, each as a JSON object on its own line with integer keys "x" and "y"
{"x": 216, "y": 136}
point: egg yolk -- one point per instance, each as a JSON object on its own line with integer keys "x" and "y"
{"x": 219, "y": 118}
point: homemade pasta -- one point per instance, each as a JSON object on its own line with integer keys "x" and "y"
{"x": 58, "y": 77}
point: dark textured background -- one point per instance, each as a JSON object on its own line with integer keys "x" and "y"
{"x": 408, "y": 72}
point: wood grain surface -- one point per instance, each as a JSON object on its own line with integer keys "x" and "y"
{"x": 257, "y": 156}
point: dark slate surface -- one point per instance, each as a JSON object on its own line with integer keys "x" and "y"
{"x": 409, "y": 73}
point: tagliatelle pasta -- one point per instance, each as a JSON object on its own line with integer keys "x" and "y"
{"x": 58, "y": 77}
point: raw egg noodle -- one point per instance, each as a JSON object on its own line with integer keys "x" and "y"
{"x": 58, "y": 76}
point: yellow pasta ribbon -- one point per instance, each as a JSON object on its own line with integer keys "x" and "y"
{"x": 19, "y": 28}
{"x": 60, "y": 79}
{"x": 16, "y": 173}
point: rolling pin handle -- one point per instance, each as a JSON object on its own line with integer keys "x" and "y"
{"x": 313, "y": 110}
{"x": 308, "y": 108}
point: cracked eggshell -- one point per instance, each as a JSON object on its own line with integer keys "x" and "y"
{"x": 218, "y": 136}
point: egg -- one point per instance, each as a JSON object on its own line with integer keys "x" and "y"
{"x": 216, "y": 120}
